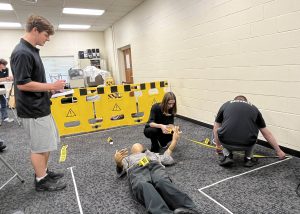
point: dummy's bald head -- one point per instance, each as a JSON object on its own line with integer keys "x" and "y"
{"x": 137, "y": 148}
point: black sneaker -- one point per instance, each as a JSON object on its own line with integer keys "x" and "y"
{"x": 2, "y": 146}
{"x": 48, "y": 184}
{"x": 184, "y": 210}
{"x": 55, "y": 175}
{"x": 226, "y": 161}
{"x": 250, "y": 162}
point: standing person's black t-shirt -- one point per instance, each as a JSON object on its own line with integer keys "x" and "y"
{"x": 157, "y": 116}
{"x": 240, "y": 121}
{"x": 3, "y": 74}
{"x": 27, "y": 66}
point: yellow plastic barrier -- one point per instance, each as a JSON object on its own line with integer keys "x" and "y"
{"x": 88, "y": 99}
{"x": 65, "y": 111}
{"x": 95, "y": 108}
{"x": 136, "y": 116}
{"x": 151, "y": 93}
{"x": 116, "y": 103}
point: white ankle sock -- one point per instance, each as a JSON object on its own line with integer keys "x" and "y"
{"x": 40, "y": 178}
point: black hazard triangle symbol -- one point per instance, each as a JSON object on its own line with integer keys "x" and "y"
{"x": 116, "y": 107}
{"x": 71, "y": 113}
{"x": 154, "y": 101}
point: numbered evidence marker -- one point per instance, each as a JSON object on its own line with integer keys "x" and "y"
{"x": 63, "y": 153}
{"x": 110, "y": 140}
{"x": 144, "y": 161}
{"x": 206, "y": 141}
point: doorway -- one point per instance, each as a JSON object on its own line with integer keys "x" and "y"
{"x": 128, "y": 66}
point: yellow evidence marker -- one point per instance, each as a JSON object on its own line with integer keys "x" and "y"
{"x": 110, "y": 140}
{"x": 144, "y": 161}
{"x": 63, "y": 153}
{"x": 206, "y": 141}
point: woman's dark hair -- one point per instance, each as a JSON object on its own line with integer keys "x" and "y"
{"x": 164, "y": 103}
{"x": 41, "y": 24}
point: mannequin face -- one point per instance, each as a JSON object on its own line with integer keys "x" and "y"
{"x": 137, "y": 148}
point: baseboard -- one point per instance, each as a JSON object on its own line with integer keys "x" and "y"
{"x": 260, "y": 142}
{"x": 195, "y": 121}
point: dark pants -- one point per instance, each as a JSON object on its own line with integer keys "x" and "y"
{"x": 157, "y": 138}
{"x": 3, "y": 107}
{"x": 152, "y": 187}
{"x": 228, "y": 149}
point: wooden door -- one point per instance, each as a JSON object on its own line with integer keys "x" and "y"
{"x": 128, "y": 66}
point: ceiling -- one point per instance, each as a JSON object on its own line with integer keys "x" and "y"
{"x": 52, "y": 10}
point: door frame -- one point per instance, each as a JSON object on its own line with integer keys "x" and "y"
{"x": 121, "y": 58}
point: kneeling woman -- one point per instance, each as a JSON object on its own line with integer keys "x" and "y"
{"x": 160, "y": 123}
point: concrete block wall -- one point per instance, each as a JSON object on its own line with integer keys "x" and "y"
{"x": 62, "y": 43}
{"x": 213, "y": 50}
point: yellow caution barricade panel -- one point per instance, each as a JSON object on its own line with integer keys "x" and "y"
{"x": 66, "y": 114}
{"x": 95, "y": 108}
{"x": 152, "y": 93}
{"x": 92, "y": 119}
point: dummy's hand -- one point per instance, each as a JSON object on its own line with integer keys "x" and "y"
{"x": 176, "y": 133}
{"x": 120, "y": 155}
{"x": 281, "y": 154}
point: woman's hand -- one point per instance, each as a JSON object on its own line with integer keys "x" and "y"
{"x": 165, "y": 129}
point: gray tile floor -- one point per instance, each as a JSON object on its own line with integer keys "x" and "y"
{"x": 265, "y": 190}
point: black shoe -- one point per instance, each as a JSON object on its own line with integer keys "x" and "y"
{"x": 55, "y": 175}
{"x": 226, "y": 161}
{"x": 184, "y": 210}
{"x": 2, "y": 146}
{"x": 48, "y": 184}
{"x": 250, "y": 162}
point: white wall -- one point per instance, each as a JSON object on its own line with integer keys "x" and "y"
{"x": 62, "y": 43}
{"x": 111, "y": 54}
{"x": 213, "y": 50}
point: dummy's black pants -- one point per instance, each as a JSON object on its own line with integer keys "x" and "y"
{"x": 152, "y": 187}
{"x": 157, "y": 138}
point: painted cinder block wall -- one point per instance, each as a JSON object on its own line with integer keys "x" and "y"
{"x": 213, "y": 50}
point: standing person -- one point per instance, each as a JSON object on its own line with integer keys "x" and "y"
{"x": 4, "y": 77}
{"x": 33, "y": 100}
{"x": 236, "y": 129}
{"x": 161, "y": 121}
{"x": 149, "y": 182}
